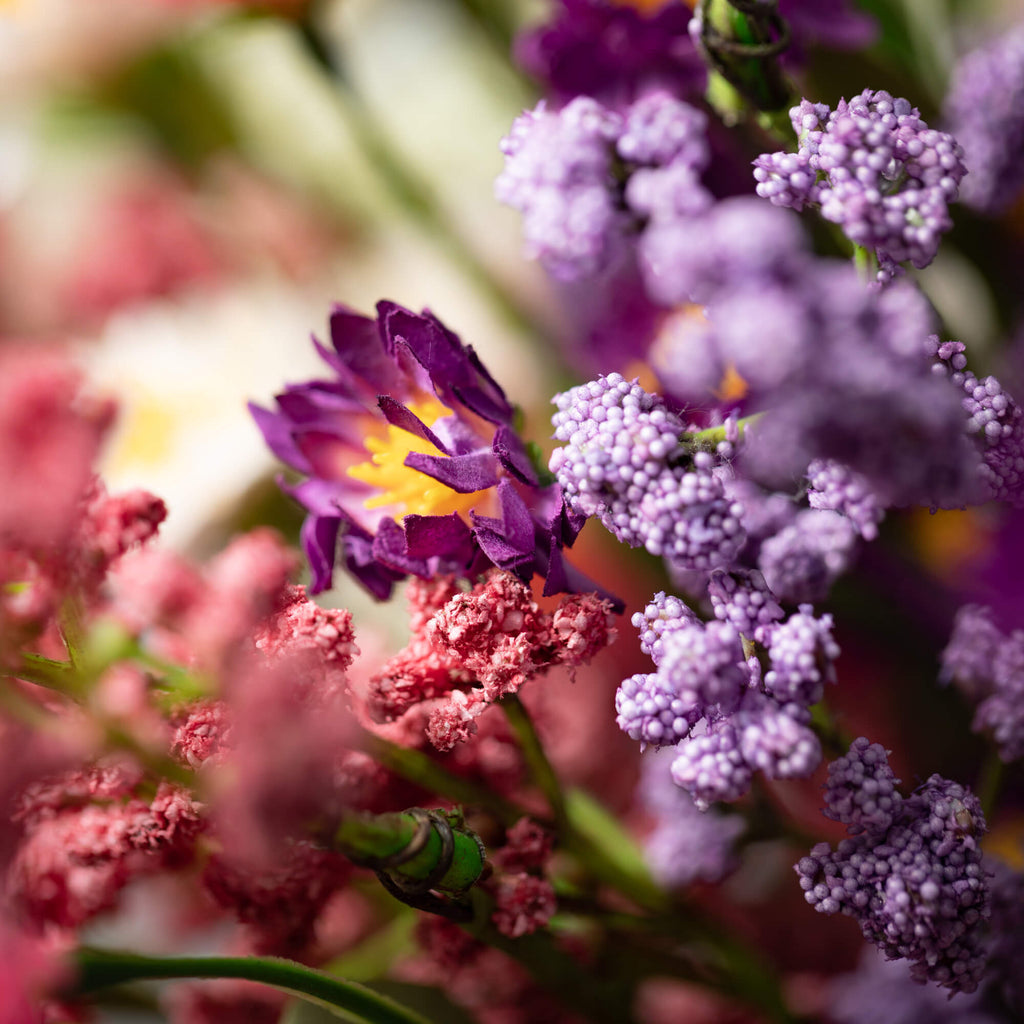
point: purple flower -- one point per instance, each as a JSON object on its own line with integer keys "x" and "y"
{"x": 910, "y": 873}
{"x": 624, "y": 463}
{"x": 881, "y": 991}
{"x": 994, "y": 421}
{"x": 833, "y": 486}
{"x": 985, "y": 111}
{"x": 586, "y": 178}
{"x": 686, "y": 844}
{"x": 873, "y": 167}
{"x": 412, "y": 464}
{"x": 612, "y": 51}
{"x": 803, "y": 560}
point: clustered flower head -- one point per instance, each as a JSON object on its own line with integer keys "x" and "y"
{"x": 993, "y": 420}
{"x": 588, "y": 178}
{"x": 413, "y": 465}
{"x": 911, "y": 872}
{"x": 984, "y": 109}
{"x": 710, "y": 699}
{"x": 471, "y": 648}
{"x": 623, "y": 461}
{"x": 873, "y": 167}
{"x": 987, "y": 664}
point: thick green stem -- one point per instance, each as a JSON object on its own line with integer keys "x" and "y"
{"x": 100, "y": 968}
{"x": 741, "y": 50}
{"x": 374, "y": 838}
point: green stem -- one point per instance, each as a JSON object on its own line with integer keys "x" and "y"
{"x": 417, "y": 767}
{"x": 370, "y": 838}
{"x": 536, "y": 758}
{"x": 866, "y": 263}
{"x": 54, "y": 675}
{"x": 100, "y": 968}
{"x": 713, "y": 435}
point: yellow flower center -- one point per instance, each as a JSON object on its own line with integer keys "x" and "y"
{"x": 407, "y": 490}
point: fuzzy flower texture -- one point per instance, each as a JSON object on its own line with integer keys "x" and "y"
{"x": 413, "y": 465}
{"x": 873, "y": 167}
{"x": 910, "y": 872}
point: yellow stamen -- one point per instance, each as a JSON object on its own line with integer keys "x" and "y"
{"x": 408, "y": 491}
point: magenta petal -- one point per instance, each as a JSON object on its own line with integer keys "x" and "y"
{"x": 454, "y": 368}
{"x": 509, "y": 541}
{"x": 319, "y": 536}
{"x": 276, "y": 431}
{"x": 359, "y": 344}
{"x": 446, "y": 537}
{"x": 357, "y": 552}
{"x": 462, "y": 473}
{"x": 566, "y": 525}
{"x": 391, "y": 549}
{"x": 399, "y": 416}
{"x": 511, "y": 453}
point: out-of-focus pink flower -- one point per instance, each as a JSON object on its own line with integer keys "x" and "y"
{"x": 523, "y": 903}
{"x": 146, "y": 243}
{"x": 278, "y": 905}
{"x": 527, "y": 847}
{"x": 87, "y": 835}
{"x": 224, "y": 1001}
{"x": 201, "y": 618}
{"x": 31, "y": 968}
{"x": 50, "y": 434}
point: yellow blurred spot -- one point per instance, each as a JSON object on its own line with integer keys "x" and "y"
{"x": 732, "y": 386}
{"x": 947, "y": 541}
{"x": 147, "y": 435}
{"x": 406, "y": 490}
{"x": 1006, "y": 842}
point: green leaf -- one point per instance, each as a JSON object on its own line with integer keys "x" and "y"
{"x": 618, "y": 849}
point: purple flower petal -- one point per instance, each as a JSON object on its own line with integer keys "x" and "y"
{"x": 454, "y": 368}
{"x": 360, "y": 346}
{"x": 447, "y": 537}
{"x": 508, "y": 542}
{"x": 399, "y": 416}
{"x": 391, "y": 549}
{"x": 511, "y": 453}
{"x": 319, "y": 536}
{"x": 276, "y": 431}
{"x": 462, "y": 473}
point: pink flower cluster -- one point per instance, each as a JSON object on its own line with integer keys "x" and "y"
{"x": 471, "y": 648}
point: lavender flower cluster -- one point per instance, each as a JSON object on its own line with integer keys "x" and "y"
{"x": 984, "y": 109}
{"x": 994, "y": 421}
{"x": 709, "y": 697}
{"x": 873, "y": 167}
{"x": 587, "y": 176}
{"x": 623, "y": 462}
{"x": 911, "y": 871}
{"x": 988, "y": 666}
